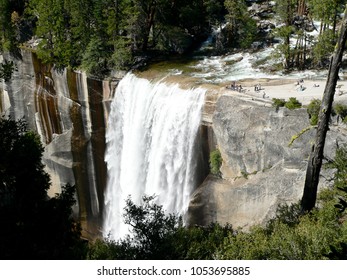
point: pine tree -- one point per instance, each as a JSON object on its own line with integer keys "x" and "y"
{"x": 241, "y": 27}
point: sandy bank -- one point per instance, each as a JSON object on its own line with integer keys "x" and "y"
{"x": 304, "y": 91}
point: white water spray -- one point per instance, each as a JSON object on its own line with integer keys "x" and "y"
{"x": 151, "y": 148}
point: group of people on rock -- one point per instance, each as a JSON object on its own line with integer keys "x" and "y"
{"x": 239, "y": 88}
{"x": 236, "y": 87}
{"x": 257, "y": 87}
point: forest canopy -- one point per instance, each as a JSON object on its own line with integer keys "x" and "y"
{"x": 101, "y": 35}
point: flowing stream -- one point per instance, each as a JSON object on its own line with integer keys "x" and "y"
{"x": 152, "y": 143}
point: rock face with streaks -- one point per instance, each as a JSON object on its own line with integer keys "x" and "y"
{"x": 69, "y": 112}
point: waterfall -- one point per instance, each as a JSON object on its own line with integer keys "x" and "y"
{"x": 152, "y": 148}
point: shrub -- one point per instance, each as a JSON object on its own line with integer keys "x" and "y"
{"x": 314, "y": 120}
{"x": 341, "y": 110}
{"x": 292, "y": 104}
{"x": 215, "y": 162}
{"x": 286, "y": 214}
{"x": 313, "y": 110}
{"x": 6, "y": 70}
{"x": 278, "y": 102}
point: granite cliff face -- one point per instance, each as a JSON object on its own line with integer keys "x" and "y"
{"x": 69, "y": 112}
{"x": 260, "y": 168}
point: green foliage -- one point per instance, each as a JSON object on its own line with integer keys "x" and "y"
{"x": 278, "y": 102}
{"x": 53, "y": 29}
{"x": 130, "y": 30}
{"x": 341, "y": 111}
{"x": 244, "y": 174}
{"x": 215, "y": 162}
{"x": 324, "y": 47}
{"x": 200, "y": 243}
{"x": 152, "y": 234}
{"x": 292, "y": 104}
{"x": 215, "y": 11}
{"x": 33, "y": 226}
{"x": 283, "y": 50}
{"x": 339, "y": 164}
{"x": 152, "y": 230}
{"x": 242, "y": 28}
{"x": 157, "y": 235}
{"x": 21, "y": 167}
{"x": 6, "y": 70}
{"x": 286, "y": 214}
{"x": 313, "y": 110}
{"x": 247, "y": 34}
{"x": 285, "y": 10}
{"x": 338, "y": 197}
{"x": 326, "y": 11}
{"x": 287, "y": 237}
{"x": 104, "y": 34}
{"x": 122, "y": 57}
{"x": 9, "y": 26}
{"x": 292, "y": 14}
{"x": 174, "y": 38}
{"x": 80, "y": 24}
{"x": 296, "y": 136}
{"x": 110, "y": 250}
{"x": 95, "y": 58}
{"x": 314, "y": 120}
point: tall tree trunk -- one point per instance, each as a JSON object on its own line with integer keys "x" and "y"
{"x": 315, "y": 161}
{"x": 301, "y": 7}
{"x": 335, "y": 18}
{"x": 305, "y": 49}
{"x": 321, "y": 29}
{"x": 149, "y": 24}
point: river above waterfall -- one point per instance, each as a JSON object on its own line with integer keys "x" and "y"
{"x": 221, "y": 70}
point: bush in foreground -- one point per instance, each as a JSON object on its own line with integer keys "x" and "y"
{"x": 33, "y": 226}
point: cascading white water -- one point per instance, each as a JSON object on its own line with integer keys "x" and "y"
{"x": 151, "y": 148}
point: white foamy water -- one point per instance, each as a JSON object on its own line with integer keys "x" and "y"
{"x": 246, "y": 65}
{"x": 151, "y": 148}
{"x": 238, "y": 66}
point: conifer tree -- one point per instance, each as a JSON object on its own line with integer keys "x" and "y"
{"x": 241, "y": 27}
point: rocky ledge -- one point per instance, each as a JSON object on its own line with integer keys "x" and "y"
{"x": 260, "y": 169}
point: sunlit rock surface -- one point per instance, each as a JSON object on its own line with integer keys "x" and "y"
{"x": 260, "y": 169}
{"x": 69, "y": 112}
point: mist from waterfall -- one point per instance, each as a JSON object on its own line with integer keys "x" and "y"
{"x": 152, "y": 148}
